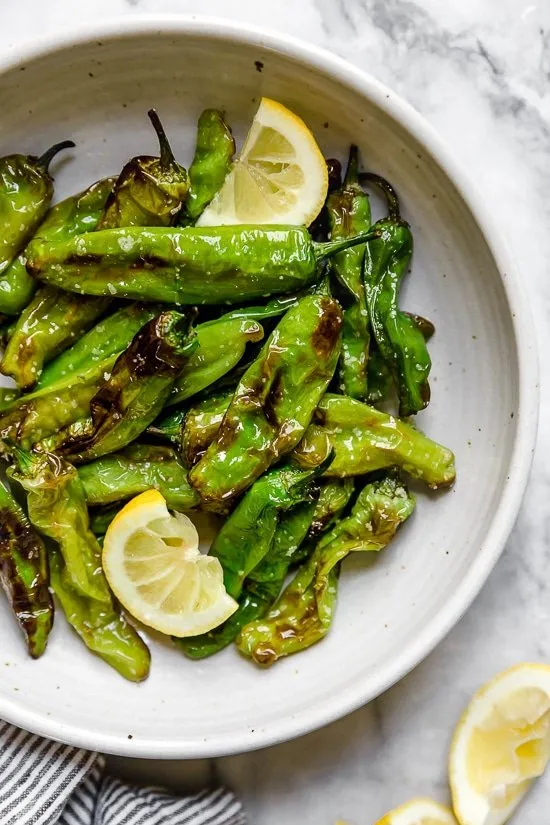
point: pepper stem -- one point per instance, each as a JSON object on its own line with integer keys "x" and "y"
{"x": 45, "y": 159}
{"x": 352, "y": 170}
{"x": 166, "y": 154}
{"x": 324, "y": 249}
{"x": 388, "y": 190}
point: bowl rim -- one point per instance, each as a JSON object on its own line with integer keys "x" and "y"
{"x": 355, "y": 695}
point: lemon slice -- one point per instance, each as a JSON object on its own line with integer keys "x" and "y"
{"x": 155, "y": 569}
{"x": 280, "y": 176}
{"x": 501, "y": 744}
{"x": 419, "y": 811}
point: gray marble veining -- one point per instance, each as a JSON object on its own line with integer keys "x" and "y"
{"x": 479, "y": 71}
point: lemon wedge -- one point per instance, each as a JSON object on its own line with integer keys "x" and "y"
{"x": 419, "y": 811}
{"x": 501, "y": 744}
{"x": 280, "y": 176}
{"x": 155, "y": 569}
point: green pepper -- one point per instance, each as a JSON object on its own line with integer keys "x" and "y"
{"x": 221, "y": 345}
{"x": 274, "y": 401}
{"x": 305, "y": 610}
{"x": 213, "y": 156}
{"x": 246, "y": 536}
{"x": 149, "y": 191}
{"x": 401, "y": 343}
{"x": 57, "y": 507}
{"x": 73, "y": 216}
{"x": 380, "y": 382}
{"x": 107, "y": 339}
{"x": 334, "y": 496}
{"x": 24, "y": 574}
{"x": 200, "y": 426}
{"x": 262, "y": 585}
{"x": 365, "y": 439}
{"x": 37, "y": 415}
{"x": 48, "y": 325}
{"x": 26, "y": 190}
{"x": 185, "y": 266}
{"x": 349, "y": 213}
{"x": 137, "y": 468}
{"x": 68, "y": 384}
{"x": 136, "y": 391}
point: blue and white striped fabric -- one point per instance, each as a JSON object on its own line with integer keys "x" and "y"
{"x": 47, "y": 783}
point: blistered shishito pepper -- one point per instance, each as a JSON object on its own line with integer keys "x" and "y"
{"x": 349, "y": 213}
{"x": 274, "y": 401}
{"x": 398, "y": 338}
{"x": 48, "y": 325}
{"x": 365, "y": 439}
{"x": 39, "y": 414}
{"x": 262, "y": 585}
{"x": 200, "y": 426}
{"x": 73, "y": 216}
{"x": 304, "y": 612}
{"x": 136, "y": 391}
{"x": 212, "y": 161}
{"x": 224, "y": 264}
{"x": 221, "y": 345}
{"x": 247, "y": 534}
{"x": 57, "y": 508}
{"x": 149, "y": 191}
{"x": 24, "y": 574}
{"x": 380, "y": 381}
{"x": 137, "y": 468}
{"x": 105, "y": 340}
{"x": 26, "y": 190}
{"x": 334, "y": 496}
{"x": 68, "y": 384}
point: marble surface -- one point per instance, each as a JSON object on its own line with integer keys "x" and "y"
{"x": 479, "y": 71}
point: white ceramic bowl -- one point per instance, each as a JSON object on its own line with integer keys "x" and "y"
{"x": 95, "y": 86}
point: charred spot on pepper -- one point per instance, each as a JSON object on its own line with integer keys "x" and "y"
{"x": 273, "y": 399}
{"x": 86, "y": 259}
{"x": 326, "y": 335}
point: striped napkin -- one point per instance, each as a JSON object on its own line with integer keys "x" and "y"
{"x": 47, "y": 783}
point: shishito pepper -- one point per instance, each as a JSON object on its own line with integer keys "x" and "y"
{"x": 291, "y": 542}
{"x": 68, "y": 384}
{"x": 106, "y": 339}
{"x": 274, "y": 401}
{"x": 39, "y": 414}
{"x": 365, "y": 439}
{"x": 212, "y": 161}
{"x": 149, "y": 191}
{"x": 200, "y": 426}
{"x": 304, "y": 612}
{"x": 210, "y": 265}
{"x": 136, "y": 391}
{"x": 246, "y": 535}
{"x": 73, "y": 216}
{"x": 57, "y": 508}
{"x": 50, "y": 323}
{"x": 26, "y": 190}
{"x": 24, "y": 574}
{"x": 349, "y": 213}
{"x": 137, "y": 468}
{"x": 398, "y": 338}
{"x": 262, "y": 585}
